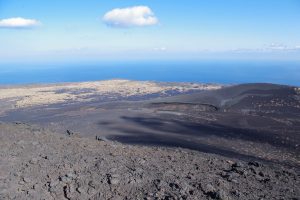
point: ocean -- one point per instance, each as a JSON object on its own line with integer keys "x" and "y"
{"x": 224, "y": 72}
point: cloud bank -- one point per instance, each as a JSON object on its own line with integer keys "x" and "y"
{"x": 18, "y": 22}
{"x": 282, "y": 47}
{"x": 136, "y": 16}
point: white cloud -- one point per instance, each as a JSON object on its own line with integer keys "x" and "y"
{"x": 160, "y": 49}
{"x": 130, "y": 17}
{"x": 18, "y": 22}
{"x": 281, "y": 47}
{"x": 275, "y": 46}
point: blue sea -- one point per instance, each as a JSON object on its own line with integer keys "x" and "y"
{"x": 224, "y": 72}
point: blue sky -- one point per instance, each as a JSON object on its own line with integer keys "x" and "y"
{"x": 55, "y": 30}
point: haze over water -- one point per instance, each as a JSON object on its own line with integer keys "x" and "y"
{"x": 224, "y": 72}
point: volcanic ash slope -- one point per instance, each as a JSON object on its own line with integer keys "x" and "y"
{"x": 38, "y": 164}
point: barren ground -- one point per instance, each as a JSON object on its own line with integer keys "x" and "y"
{"x": 123, "y": 139}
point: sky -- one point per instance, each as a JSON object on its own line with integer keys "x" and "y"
{"x": 97, "y": 30}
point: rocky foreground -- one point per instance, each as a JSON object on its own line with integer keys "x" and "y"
{"x": 38, "y": 164}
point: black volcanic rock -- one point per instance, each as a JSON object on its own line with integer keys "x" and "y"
{"x": 238, "y": 142}
{"x": 38, "y": 164}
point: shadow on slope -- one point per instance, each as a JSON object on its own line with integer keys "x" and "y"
{"x": 175, "y": 133}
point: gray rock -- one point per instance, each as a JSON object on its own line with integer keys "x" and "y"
{"x": 222, "y": 195}
{"x": 81, "y": 168}
{"x": 33, "y": 161}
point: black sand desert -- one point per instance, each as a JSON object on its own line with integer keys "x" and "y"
{"x": 123, "y": 139}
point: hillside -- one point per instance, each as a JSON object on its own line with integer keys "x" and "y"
{"x": 38, "y": 164}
